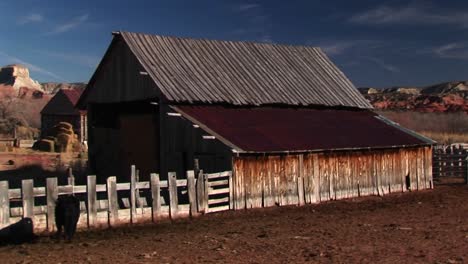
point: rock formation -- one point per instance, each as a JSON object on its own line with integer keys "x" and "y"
{"x": 18, "y": 76}
{"x": 443, "y": 97}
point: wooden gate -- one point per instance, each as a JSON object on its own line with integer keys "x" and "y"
{"x": 450, "y": 161}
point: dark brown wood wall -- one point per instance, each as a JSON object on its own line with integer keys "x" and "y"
{"x": 262, "y": 181}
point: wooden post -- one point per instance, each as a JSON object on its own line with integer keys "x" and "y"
{"x": 156, "y": 197}
{"x": 466, "y": 171}
{"x": 174, "y": 203}
{"x": 92, "y": 200}
{"x": 52, "y": 195}
{"x": 192, "y": 192}
{"x": 132, "y": 194}
{"x": 231, "y": 192}
{"x": 139, "y": 204}
{"x": 300, "y": 180}
{"x": 4, "y": 204}
{"x": 112, "y": 200}
{"x": 28, "y": 198}
{"x": 206, "y": 193}
{"x": 200, "y": 192}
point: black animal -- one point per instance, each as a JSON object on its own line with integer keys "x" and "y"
{"x": 18, "y": 233}
{"x": 67, "y": 214}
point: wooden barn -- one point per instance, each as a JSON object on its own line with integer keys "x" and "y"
{"x": 61, "y": 108}
{"x": 284, "y": 119}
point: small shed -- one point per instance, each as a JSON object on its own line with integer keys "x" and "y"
{"x": 61, "y": 108}
{"x": 283, "y": 118}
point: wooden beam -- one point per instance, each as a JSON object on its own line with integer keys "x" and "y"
{"x": 4, "y": 204}
{"x": 132, "y": 194}
{"x": 92, "y": 201}
{"x": 112, "y": 200}
{"x": 27, "y": 191}
{"x": 173, "y": 199}
{"x": 192, "y": 192}
{"x": 156, "y": 197}
{"x": 52, "y": 196}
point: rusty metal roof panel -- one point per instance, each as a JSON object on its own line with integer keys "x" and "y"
{"x": 268, "y": 129}
{"x": 242, "y": 73}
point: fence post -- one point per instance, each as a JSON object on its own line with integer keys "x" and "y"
{"x": 132, "y": 194}
{"x": 200, "y": 192}
{"x": 191, "y": 192}
{"x": 5, "y": 204}
{"x": 174, "y": 203}
{"x": 112, "y": 200}
{"x": 28, "y": 198}
{"x": 92, "y": 200}
{"x": 156, "y": 197}
{"x": 231, "y": 192}
{"x": 52, "y": 195}
{"x": 206, "y": 195}
{"x": 466, "y": 171}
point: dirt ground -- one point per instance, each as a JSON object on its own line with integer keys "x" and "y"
{"x": 420, "y": 227}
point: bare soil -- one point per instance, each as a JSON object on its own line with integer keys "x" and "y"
{"x": 419, "y": 227}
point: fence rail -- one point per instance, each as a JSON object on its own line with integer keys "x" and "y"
{"x": 116, "y": 203}
{"x": 450, "y": 161}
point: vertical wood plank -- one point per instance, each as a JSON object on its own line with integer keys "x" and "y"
{"x": 113, "y": 211}
{"x": 315, "y": 179}
{"x": 71, "y": 178}
{"x": 27, "y": 188}
{"x": 52, "y": 195}
{"x": 191, "y": 192}
{"x": 200, "y": 192}
{"x": 156, "y": 197}
{"x": 92, "y": 200}
{"x": 132, "y": 194}
{"x": 173, "y": 199}
{"x": 300, "y": 180}
{"x": 231, "y": 192}
{"x": 4, "y": 204}
{"x": 206, "y": 194}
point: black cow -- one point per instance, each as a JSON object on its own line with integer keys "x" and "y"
{"x": 18, "y": 233}
{"x": 67, "y": 213}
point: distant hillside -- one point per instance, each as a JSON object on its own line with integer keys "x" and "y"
{"x": 442, "y": 97}
{"x": 52, "y": 88}
{"x": 22, "y": 99}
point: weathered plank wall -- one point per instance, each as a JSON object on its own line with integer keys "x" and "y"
{"x": 262, "y": 181}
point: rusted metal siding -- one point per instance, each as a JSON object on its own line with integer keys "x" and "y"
{"x": 241, "y": 73}
{"x": 268, "y": 180}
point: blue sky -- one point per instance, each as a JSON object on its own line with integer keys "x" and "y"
{"x": 375, "y": 43}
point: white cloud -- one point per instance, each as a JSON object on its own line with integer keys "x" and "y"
{"x": 81, "y": 59}
{"x": 411, "y": 15}
{"x": 14, "y": 60}
{"x": 31, "y": 18}
{"x": 339, "y": 47}
{"x": 454, "y": 50}
{"x": 245, "y": 7}
{"x": 383, "y": 64}
{"x": 67, "y": 26}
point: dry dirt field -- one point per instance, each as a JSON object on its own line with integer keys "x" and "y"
{"x": 420, "y": 227}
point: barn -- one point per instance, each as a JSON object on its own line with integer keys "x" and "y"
{"x": 284, "y": 119}
{"x": 61, "y": 108}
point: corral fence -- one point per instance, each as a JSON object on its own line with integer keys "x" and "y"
{"x": 117, "y": 203}
{"x": 450, "y": 161}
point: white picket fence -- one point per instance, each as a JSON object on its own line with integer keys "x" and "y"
{"x": 117, "y": 203}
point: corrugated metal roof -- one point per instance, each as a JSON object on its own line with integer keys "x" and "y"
{"x": 242, "y": 73}
{"x": 268, "y": 129}
{"x": 63, "y": 103}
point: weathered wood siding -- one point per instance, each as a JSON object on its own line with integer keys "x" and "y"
{"x": 262, "y": 181}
